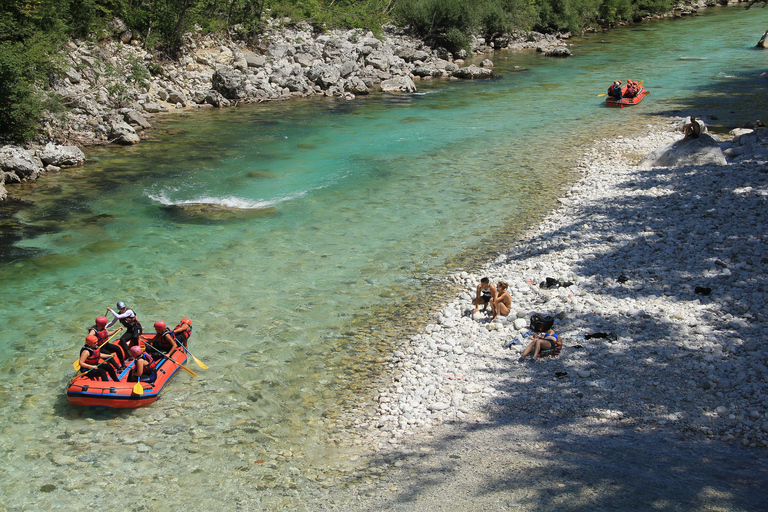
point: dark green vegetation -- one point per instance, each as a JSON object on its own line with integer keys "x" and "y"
{"x": 32, "y": 32}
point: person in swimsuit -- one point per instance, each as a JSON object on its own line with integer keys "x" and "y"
{"x": 502, "y": 304}
{"x": 541, "y": 342}
{"x": 486, "y": 292}
{"x": 692, "y": 130}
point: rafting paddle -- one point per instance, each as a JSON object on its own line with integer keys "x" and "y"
{"x": 80, "y": 374}
{"x": 174, "y": 362}
{"x": 199, "y": 362}
{"x": 76, "y": 364}
{"x": 138, "y": 389}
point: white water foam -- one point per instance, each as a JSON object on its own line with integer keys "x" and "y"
{"x": 227, "y": 201}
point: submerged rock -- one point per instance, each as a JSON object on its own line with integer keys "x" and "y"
{"x": 206, "y": 213}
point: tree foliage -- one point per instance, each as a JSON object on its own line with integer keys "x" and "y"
{"x": 32, "y": 32}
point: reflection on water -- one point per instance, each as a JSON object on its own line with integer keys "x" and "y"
{"x": 303, "y": 239}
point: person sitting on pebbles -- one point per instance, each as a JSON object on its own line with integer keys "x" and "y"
{"x": 502, "y": 303}
{"x": 541, "y": 342}
{"x": 486, "y": 293}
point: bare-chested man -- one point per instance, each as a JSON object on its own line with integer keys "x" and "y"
{"x": 486, "y": 292}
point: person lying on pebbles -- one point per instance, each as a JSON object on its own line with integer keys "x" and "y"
{"x": 541, "y": 342}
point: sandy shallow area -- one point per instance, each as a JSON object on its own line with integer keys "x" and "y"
{"x": 670, "y": 414}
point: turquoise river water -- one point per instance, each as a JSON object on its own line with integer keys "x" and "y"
{"x": 346, "y": 213}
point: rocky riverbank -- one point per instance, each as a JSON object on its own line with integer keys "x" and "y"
{"x": 669, "y": 263}
{"x": 656, "y": 278}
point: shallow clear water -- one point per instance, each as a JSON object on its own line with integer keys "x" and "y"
{"x": 346, "y": 211}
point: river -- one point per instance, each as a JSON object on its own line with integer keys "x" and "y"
{"x": 334, "y": 223}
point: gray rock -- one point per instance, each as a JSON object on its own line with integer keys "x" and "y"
{"x": 473, "y": 72}
{"x": 699, "y": 151}
{"x": 254, "y": 60}
{"x": 152, "y": 108}
{"x": 73, "y": 76}
{"x": 134, "y": 118}
{"x": 123, "y": 133}
{"x": 177, "y": 97}
{"x": 56, "y": 155}
{"x": 230, "y": 83}
{"x": 20, "y": 164}
{"x": 3, "y": 193}
{"x": 356, "y": 85}
{"x": 558, "y": 51}
{"x": 217, "y": 100}
{"x": 378, "y": 60}
{"x": 398, "y": 84}
{"x": 423, "y": 71}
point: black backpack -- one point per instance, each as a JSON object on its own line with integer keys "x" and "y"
{"x": 541, "y": 323}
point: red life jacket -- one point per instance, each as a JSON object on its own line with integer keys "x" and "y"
{"x": 163, "y": 343}
{"x": 102, "y": 335}
{"x": 184, "y": 335}
{"x": 94, "y": 354}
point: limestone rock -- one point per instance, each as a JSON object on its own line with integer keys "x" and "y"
{"x": 123, "y": 133}
{"x": 398, "y": 84}
{"x": 473, "y": 72}
{"x": 700, "y": 151}
{"x": 19, "y": 164}
{"x": 230, "y": 83}
{"x": 53, "y": 154}
{"x": 135, "y": 118}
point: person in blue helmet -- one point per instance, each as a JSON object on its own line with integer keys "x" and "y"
{"x": 130, "y": 321}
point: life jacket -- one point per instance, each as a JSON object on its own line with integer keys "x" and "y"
{"x": 130, "y": 322}
{"x": 151, "y": 363}
{"x": 162, "y": 343}
{"x": 184, "y": 335}
{"x": 94, "y": 354}
{"x": 102, "y": 335}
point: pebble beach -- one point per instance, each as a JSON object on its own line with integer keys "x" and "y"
{"x": 668, "y": 264}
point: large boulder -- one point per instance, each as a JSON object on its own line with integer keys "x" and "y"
{"x": 61, "y": 156}
{"x": 398, "y": 84}
{"x": 19, "y": 165}
{"x": 122, "y": 133}
{"x": 473, "y": 72}
{"x": 230, "y": 83}
{"x": 217, "y": 100}
{"x": 136, "y": 119}
{"x": 702, "y": 150}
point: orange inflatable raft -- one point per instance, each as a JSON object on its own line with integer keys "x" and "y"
{"x": 83, "y": 390}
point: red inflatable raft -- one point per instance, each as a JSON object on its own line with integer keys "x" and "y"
{"x": 625, "y": 102}
{"x": 83, "y": 390}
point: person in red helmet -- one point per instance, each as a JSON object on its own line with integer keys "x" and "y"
{"x": 90, "y": 359}
{"x": 163, "y": 340}
{"x": 183, "y": 331}
{"x": 99, "y": 329}
{"x": 614, "y": 91}
{"x": 143, "y": 366}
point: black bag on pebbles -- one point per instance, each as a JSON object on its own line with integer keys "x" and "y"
{"x": 541, "y": 323}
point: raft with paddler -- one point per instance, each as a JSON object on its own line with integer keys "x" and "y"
{"x": 132, "y": 370}
{"x": 624, "y": 95}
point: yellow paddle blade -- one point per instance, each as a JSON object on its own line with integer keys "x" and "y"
{"x": 199, "y": 363}
{"x": 601, "y": 95}
{"x": 138, "y": 389}
{"x": 186, "y": 369}
{"x": 76, "y": 365}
